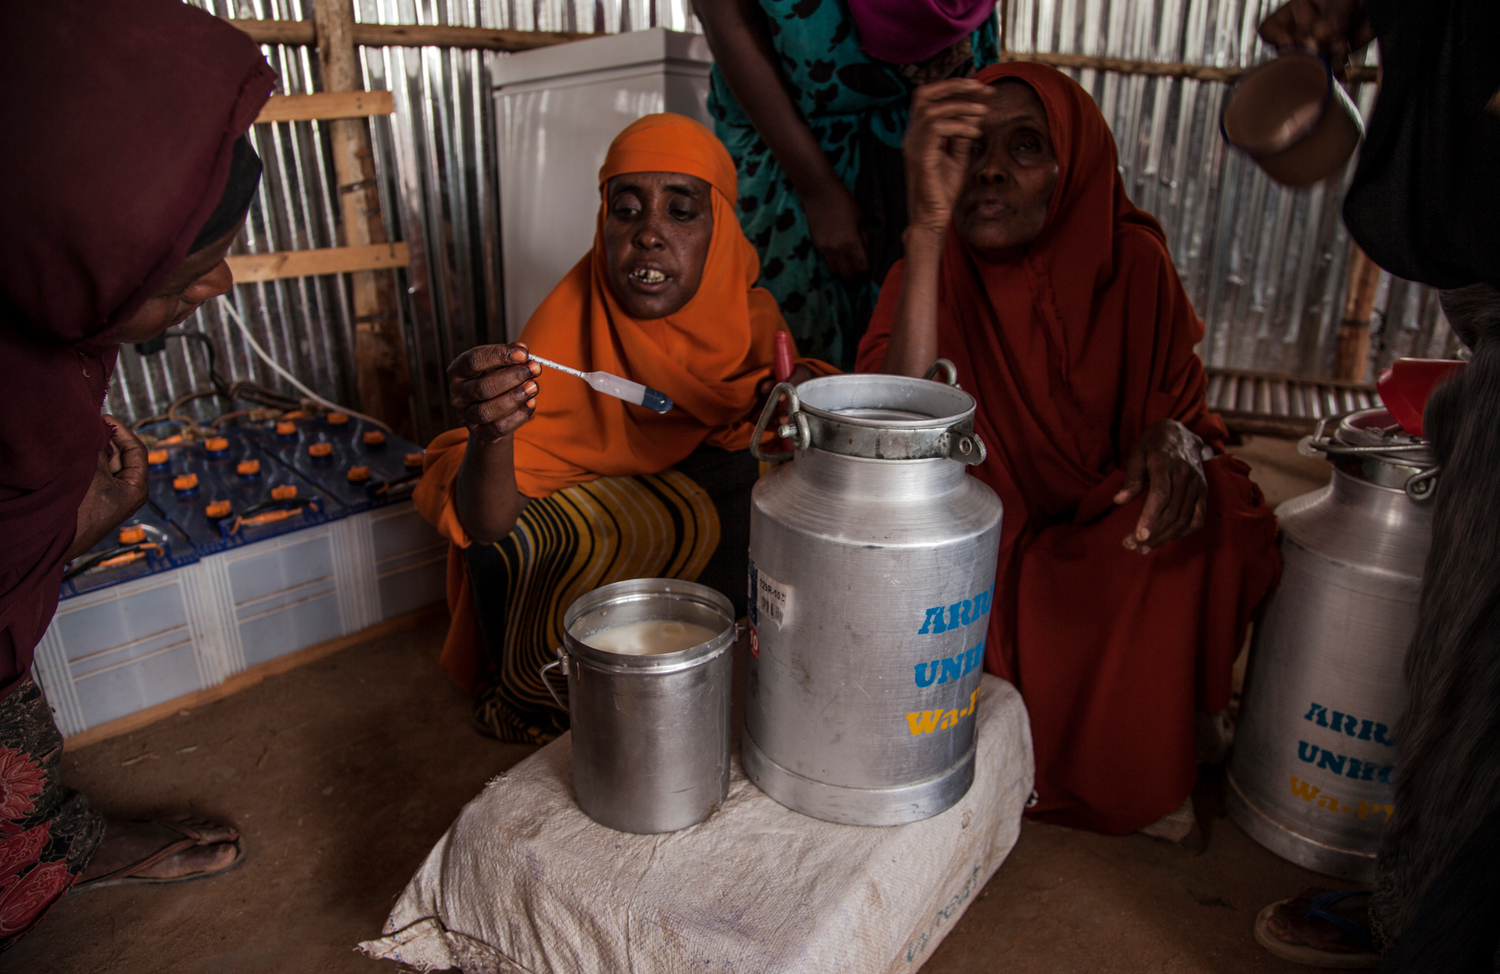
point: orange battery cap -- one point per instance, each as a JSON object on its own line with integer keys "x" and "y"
{"x": 358, "y": 474}
{"x": 219, "y": 508}
{"x": 374, "y": 438}
{"x": 286, "y": 428}
{"x": 172, "y": 440}
{"x": 156, "y": 458}
{"x": 284, "y": 493}
{"x": 131, "y": 533}
{"x": 216, "y": 444}
{"x": 188, "y": 481}
{"x": 247, "y": 468}
{"x": 414, "y": 460}
{"x": 294, "y": 414}
{"x": 320, "y": 449}
{"x": 338, "y": 419}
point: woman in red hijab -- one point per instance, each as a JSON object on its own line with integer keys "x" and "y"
{"x": 124, "y": 178}
{"x": 546, "y": 496}
{"x": 1133, "y": 551}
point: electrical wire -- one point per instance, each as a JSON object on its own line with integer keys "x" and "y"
{"x": 220, "y": 384}
{"x": 265, "y": 397}
{"x": 222, "y": 387}
{"x": 151, "y": 422}
{"x": 276, "y": 367}
{"x": 176, "y": 417}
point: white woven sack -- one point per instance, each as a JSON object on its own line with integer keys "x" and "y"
{"x": 524, "y": 883}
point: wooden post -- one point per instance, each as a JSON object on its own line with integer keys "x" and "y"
{"x": 379, "y": 348}
{"x": 1352, "y": 360}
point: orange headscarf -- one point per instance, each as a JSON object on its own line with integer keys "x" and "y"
{"x": 708, "y": 357}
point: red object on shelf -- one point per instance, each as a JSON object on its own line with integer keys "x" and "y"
{"x": 783, "y": 354}
{"x": 1405, "y": 385}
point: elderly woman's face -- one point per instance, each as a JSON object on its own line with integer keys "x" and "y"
{"x": 656, "y": 234}
{"x": 1011, "y": 174}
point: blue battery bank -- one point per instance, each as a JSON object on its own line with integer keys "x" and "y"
{"x": 224, "y": 491}
{"x": 144, "y": 545}
{"x": 355, "y": 462}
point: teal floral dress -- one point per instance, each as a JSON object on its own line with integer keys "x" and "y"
{"x": 857, "y": 109}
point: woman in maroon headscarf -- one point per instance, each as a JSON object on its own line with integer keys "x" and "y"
{"x": 124, "y": 179}
{"x": 1133, "y": 550}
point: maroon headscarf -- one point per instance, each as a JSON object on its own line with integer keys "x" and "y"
{"x": 908, "y": 31}
{"x": 120, "y": 120}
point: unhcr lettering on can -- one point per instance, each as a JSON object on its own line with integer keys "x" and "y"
{"x": 1311, "y": 773}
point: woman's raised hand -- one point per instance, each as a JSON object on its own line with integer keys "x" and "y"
{"x": 945, "y": 119}
{"x": 1332, "y": 28}
{"x": 1168, "y": 461}
{"x": 493, "y": 389}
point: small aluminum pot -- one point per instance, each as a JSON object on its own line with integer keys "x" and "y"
{"x": 650, "y": 733}
{"x": 1294, "y": 119}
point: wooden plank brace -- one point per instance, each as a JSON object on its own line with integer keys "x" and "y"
{"x": 380, "y": 349}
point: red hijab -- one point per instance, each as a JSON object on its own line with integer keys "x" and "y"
{"x": 1072, "y": 348}
{"x": 120, "y": 124}
{"x": 1077, "y": 345}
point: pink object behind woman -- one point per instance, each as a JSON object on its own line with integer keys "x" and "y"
{"x": 907, "y": 31}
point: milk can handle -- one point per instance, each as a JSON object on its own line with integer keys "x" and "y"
{"x": 561, "y": 661}
{"x": 947, "y": 366}
{"x": 795, "y": 428}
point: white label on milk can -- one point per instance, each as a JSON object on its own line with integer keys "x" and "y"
{"x": 770, "y": 600}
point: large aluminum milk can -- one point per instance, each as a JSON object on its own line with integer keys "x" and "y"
{"x": 871, "y": 577}
{"x": 1310, "y": 776}
{"x": 650, "y": 734}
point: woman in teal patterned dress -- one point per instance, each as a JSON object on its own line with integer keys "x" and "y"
{"x": 814, "y": 122}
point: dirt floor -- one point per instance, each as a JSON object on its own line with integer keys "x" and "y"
{"x": 342, "y": 774}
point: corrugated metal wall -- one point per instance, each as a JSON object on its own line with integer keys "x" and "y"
{"x": 1265, "y": 266}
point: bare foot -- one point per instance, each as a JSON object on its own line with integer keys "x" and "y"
{"x": 131, "y": 842}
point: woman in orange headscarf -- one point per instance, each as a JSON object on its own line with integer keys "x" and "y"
{"x": 546, "y": 496}
{"x": 1133, "y": 551}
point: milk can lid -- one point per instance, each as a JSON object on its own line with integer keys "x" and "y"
{"x": 885, "y": 417}
{"x": 1369, "y": 444}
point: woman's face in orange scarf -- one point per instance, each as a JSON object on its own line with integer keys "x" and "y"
{"x": 657, "y": 229}
{"x": 1012, "y": 172}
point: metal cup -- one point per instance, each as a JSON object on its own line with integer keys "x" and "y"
{"x": 1294, "y": 119}
{"x": 650, "y": 733}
